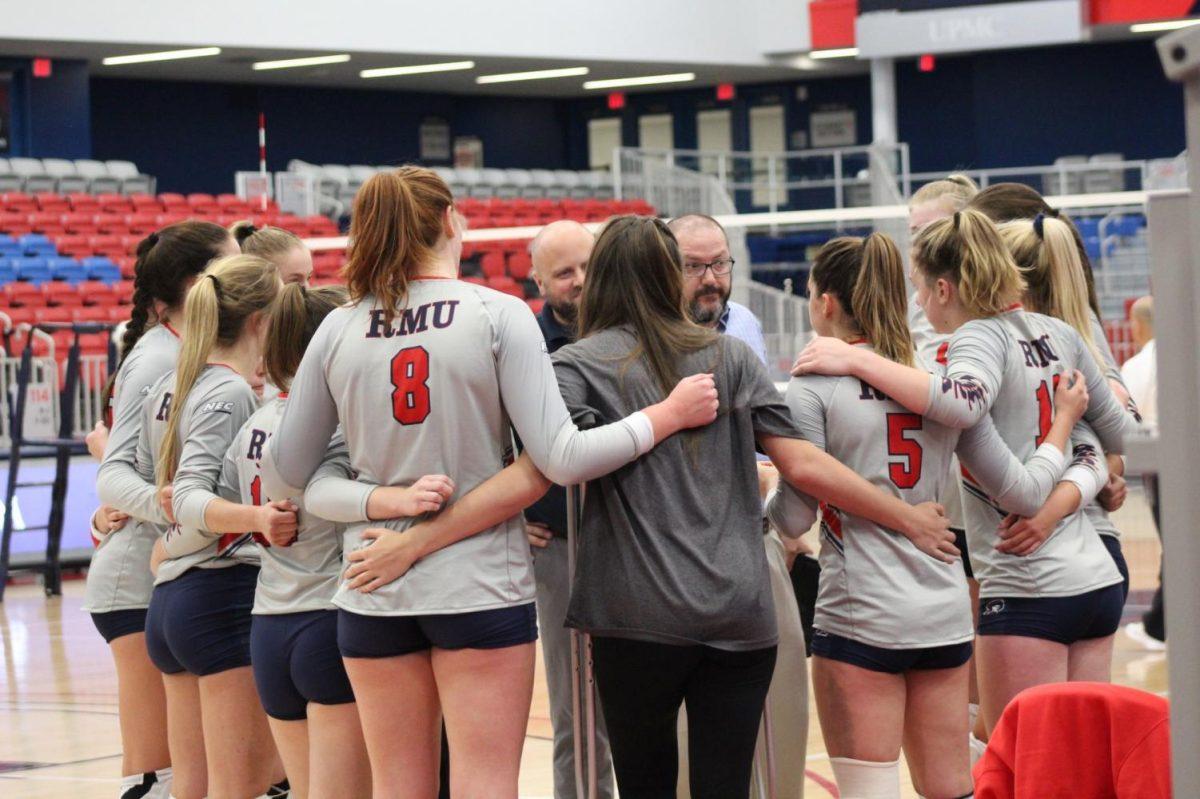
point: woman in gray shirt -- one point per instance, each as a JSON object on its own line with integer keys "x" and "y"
{"x": 672, "y": 579}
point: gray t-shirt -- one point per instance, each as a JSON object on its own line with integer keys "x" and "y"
{"x": 119, "y": 576}
{"x": 671, "y": 545}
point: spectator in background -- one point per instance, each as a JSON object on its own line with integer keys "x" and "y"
{"x": 707, "y": 282}
{"x": 560, "y": 255}
{"x": 1140, "y": 375}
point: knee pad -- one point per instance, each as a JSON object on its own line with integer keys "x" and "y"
{"x": 866, "y": 779}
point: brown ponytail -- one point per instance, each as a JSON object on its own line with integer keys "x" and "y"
{"x": 395, "y": 228}
{"x": 966, "y": 250}
{"x": 867, "y": 278}
{"x": 294, "y": 317}
{"x": 218, "y": 305}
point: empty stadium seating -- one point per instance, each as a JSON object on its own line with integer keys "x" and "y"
{"x": 35, "y": 175}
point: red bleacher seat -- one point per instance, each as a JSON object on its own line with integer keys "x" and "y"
{"x": 52, "y": 203}
{"x": 233, "y": 204}
{"x": 108, "y": 244}
{"x": 201, "y": 203}
{"x": 83, "y": 203}
{"x": 95, "y": 292}
{"x": 535, "y": 304}
{"x": 476, "y": 280}
{"x": 111, "y": 223}
{"x": 145, "y": 203}
{"x": 114, "y": 203}
{"x": 172, "y": 217}
{"x": 142, "y": 224}
{"x": 320, "y": 226}
{"x": 507, "y": 285}
{"x": 172, "y": 200}
{"x": 46, "y": 223}
{"x": 13, "y": 223}
{"x": 20, "y": 316}
{"x": 519, "y": 264}
{"x": 81, "y": 223}
{"x": 118, "y": 313}
{"x": 18, "y": 202}
{"x": 91, "y": 313}
{"x": 56, "y": 314}
{"x": 57, "y": 293}
{"x": 73, "y": 246}
{"x": 492, "y": 264}
{"x": 25, "y": 295}
{"x": 126, "y": 264}
{"x": 124, "y": 291}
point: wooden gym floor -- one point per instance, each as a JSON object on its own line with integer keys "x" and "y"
{"x": 58, "y": 717}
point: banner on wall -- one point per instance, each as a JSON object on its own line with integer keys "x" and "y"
{"x": 468, "y": 152}
{"x": 1117, "y": 12}
{"x": 891, "y": 28}
{"x": 5, "y": 112}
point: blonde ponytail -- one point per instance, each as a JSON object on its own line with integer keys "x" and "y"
{"x": 879, "y": 300}
{"x": 952, "y": 192}
{"x": 215, "y": 312}
{"x": 967, "y": 250}
{"x": 1045, "y": 252}
{"x": 295, "y": 316}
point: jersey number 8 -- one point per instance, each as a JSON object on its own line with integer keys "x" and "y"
{"x": 410, "y": 377}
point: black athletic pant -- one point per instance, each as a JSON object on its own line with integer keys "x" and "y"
{"x": 641, "y": 687}
{"x": 806, "y": 579}
{"x": 1154, "y": 621}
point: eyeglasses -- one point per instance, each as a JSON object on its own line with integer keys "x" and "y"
{"x": 720, "y": 268}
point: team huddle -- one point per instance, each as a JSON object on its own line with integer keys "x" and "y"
{"x": 314, "y": 570}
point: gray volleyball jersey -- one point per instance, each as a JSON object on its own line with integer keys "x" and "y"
{"x": 119, "y": 576}
{"x": 304, "y": 575}
{"x": 1006, "y": 366}
{"x": 435, "y": 392}
{"x": 930, "y": 347}
{"x": 876, "y": 587}
{"x": 218, "y": 405}
{"x": 1096, "y": 514}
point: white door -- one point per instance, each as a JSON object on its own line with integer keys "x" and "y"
{"x": 768, "y": 134}
{"x": 656, "y": 132}
{"x": 714, "y": 134}
{"x": 604, "y": 136}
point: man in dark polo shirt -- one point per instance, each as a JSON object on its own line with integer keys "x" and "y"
{"x": 560, "y": 254}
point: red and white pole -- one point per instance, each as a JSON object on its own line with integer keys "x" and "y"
{"x": 262, "y": 156}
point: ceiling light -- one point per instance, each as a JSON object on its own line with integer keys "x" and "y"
{"x": 647, "y": 80}
{"x": 837, "y": 52}
{"x": 165, "y": 55}
{"x": 1169, "y": 25}
{"x": 537, "y": 74}
{"x": 312, "y": 61}
{"x": 419, "y": 69}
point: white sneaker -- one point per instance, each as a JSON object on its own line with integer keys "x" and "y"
{"x": 1136, "y": 631}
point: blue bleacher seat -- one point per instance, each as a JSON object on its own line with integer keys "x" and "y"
{"x": 101, "y": 268}
{"x": 67, "y": 269}
{"x": 7, "y": 273}
{"x": 1092, "y": 245}
{"x": 1088, "y": 226}
{"x": 1127, "y": 225}
{"x": 9, "y": 247}
{"x": 35, "y": 244}
{"x": 32, "y": 270}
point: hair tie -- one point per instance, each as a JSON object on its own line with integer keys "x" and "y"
{"x": 153, "y": 239}
{"x": 216, "y": 285}
{"x": 957, "y": 215}
{"x": 250, "y": 230}
{"x": 1038, "y": 226}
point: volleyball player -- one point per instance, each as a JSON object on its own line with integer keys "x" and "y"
{"x": 1048, "y": 616}
{"x": 893, "y": 627}
{"x": 281, "y": 247}
{"x": 425, "y": 373}
{"x": 198, "y": 625}
{"x": 1057, "y": 292}
{"x": 119, "y": 581}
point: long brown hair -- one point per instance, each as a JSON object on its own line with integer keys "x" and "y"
{"x": 867, "y": 277}
{"x": 635, "y": 279}
{"x": 966, "y": 249}
{"x": 395, "y": 228}
{"x": 1004, "y": 202}
{"x": 295, "y": 315}
{"x": 231, "y": 290}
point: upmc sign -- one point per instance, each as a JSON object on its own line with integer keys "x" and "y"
{"x": 888, "y": 28}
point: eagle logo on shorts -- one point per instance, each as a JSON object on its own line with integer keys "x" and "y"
{"x": 994, "y": 607}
